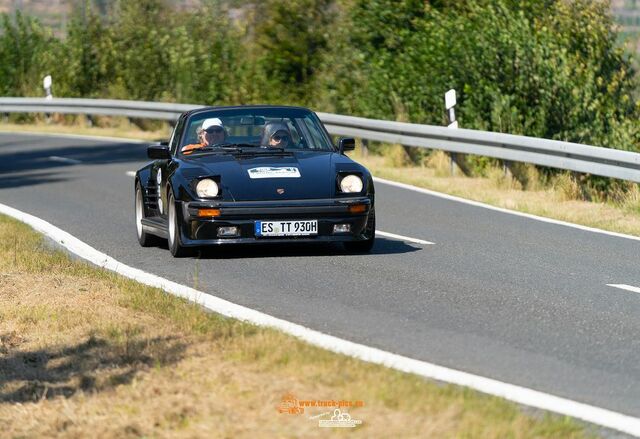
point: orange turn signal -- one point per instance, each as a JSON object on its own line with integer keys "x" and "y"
{"x": 357, "y": 208}
{"x": 208, "y": 212}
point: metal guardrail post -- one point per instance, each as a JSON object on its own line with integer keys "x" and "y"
{"x": 506, "y": 168}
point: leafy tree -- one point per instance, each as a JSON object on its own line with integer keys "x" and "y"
{"x": 543, "y": 68}
{"x": 207, "y": 57}
{"x": 142, "y": 41}
{"x": 28, "y": 52}
{"x": 291, "y": 39}
{"x": 91, "y": 55}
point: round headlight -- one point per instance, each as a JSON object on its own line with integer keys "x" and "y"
{"x": 207, "y": 188}
{"x": 351, "y": 183}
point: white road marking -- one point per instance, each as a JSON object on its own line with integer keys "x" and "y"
{"x": 503, "y": 210}
{"x": 403, "y": 238}
{"x": 131, "y": 173}
{"x": 55, "y": 158}
{"x": 522, "y": 395}
{"x": 625, "y": 287}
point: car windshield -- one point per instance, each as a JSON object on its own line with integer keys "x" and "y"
{"x": 266, "y": 127}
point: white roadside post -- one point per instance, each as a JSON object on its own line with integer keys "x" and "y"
{"x": 449, "y": 105}
{"x": 46, "y": 84}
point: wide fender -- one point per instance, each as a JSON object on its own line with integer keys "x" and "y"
{"x": 142, "y": 176}
{"x": 180, "y": 187}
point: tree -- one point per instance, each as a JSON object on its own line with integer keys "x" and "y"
{"x": 28, "y": 52}
{"x": 543, "y": 68}
{"x": 91, "y": 55}
{"x": 292, "y": 40}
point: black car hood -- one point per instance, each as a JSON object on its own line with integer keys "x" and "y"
{"x": 316, "y": 170}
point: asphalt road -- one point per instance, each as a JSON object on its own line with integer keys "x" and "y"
{"x": 498, "y": 295}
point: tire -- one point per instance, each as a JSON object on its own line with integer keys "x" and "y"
{"x": 366, "y": 245}
{"x": 145, "y": 239}
{"x": 175, "y": 245}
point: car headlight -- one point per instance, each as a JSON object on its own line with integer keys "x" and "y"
{"x": 351, "y": 183}
{"x": 207, "y": 188}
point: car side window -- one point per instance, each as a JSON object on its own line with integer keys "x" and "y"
{"x": 175, "y": 137}
{"x": 295, "y": 136}
{"x": 313, "y": 133}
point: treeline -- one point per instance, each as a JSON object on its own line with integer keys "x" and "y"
{"x": 545, "y": 68}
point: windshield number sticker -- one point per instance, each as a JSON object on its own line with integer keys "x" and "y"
{"x": 272, "y": 172}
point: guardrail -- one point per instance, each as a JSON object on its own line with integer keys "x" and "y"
{"x": 605, "y": 162}
{"x": 104, "y": 107}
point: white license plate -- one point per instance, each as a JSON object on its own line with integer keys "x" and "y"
{"x": 287, "y": 228}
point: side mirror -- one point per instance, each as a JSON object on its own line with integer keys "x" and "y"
{"x": 346, "y": 144}
{"x": 160, "y": 152}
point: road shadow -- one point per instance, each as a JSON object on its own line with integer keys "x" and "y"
{"x": 39, "y": 159}
{"x": 97, "y": 364}
{"x": 382, "y": 246}
{"x": 31, "y": 179}
{"x": 25, "y": 161}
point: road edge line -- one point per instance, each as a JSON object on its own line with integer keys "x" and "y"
{"x": 403, "y": 238}
{"x": 521, "y": 395}
{"x": 502, "y": 209}
{"x": 625, "y": 287}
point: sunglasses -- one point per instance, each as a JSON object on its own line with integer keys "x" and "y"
{"x": 216, "y": 130}
{"x": 279, "y": 137}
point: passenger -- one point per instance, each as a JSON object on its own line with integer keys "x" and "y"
{"x": 210, "y": 133}
{"x": 276, "y": 135}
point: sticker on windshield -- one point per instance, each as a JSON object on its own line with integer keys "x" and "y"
{"x": 272, "y": 172}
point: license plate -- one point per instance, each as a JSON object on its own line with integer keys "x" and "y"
{"x": 287, "y": 228}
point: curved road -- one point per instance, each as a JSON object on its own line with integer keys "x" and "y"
{"x": 498, "y": 295}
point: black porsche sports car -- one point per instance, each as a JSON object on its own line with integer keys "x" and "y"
{"x": 253, "y": 174}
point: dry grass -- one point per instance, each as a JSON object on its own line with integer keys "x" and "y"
{"x": 558, "y": 199}
{"x": 84, "y": 352}
{"x": 109, "y": 127}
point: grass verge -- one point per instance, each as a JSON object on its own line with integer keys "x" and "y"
{"x": 119, "y": 127}
{"x": 85, "y": 352}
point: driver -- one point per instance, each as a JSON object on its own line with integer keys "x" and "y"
{"x": 211, "y": 132}
{"x": 276, "y": 135}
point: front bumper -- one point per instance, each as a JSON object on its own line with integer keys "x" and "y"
{"x": 198, "y": 231}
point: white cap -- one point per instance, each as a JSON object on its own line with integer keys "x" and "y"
{"x": 214, "y": 121}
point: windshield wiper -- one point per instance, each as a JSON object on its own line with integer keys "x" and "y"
{"x": 271, "y": 149}
{"x": 238, "y": 148}
{"x": 254, "y": 148}
{"x": 216, "y": 148}
{"x": 235, "y": 145}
